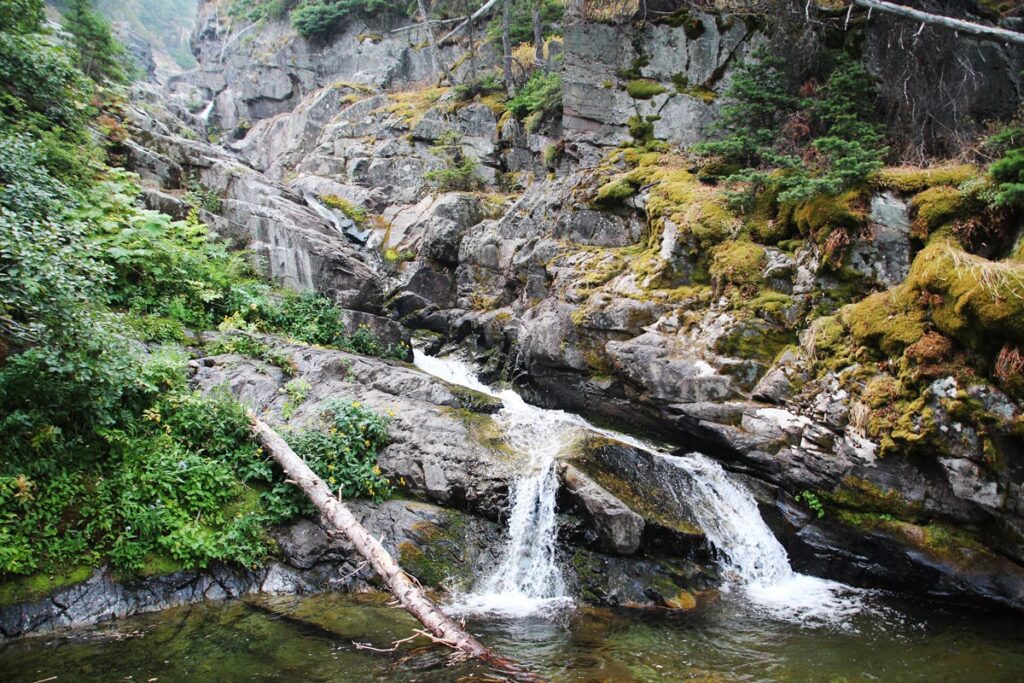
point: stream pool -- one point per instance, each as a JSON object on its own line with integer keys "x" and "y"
{"x": 311, "y": 639}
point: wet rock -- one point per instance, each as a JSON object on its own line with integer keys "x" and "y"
{"x": 619, "y": 528}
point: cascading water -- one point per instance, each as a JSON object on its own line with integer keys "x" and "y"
{"x": 528, "y": 579}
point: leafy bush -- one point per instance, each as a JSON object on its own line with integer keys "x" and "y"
{"x": 542, "y": 94}
{"x": 343, "y": 454}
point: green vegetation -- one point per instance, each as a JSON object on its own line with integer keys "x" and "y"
{"x": 644, "y": 89}
{"x": 1008, "y": 171}
{"x": 520, "y": 22}
{"x": 824, "y": 142}
{"x": 460, "y": 171}
{"x": 109, "y": 455}
{"x": 319, "y": 18}
{"x": 811, "y": 500}
{"x": 356, "y": 214}
{"x": 97, "y": 54}
{"x": 540, "y": 96}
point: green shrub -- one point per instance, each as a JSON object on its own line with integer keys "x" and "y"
{"x": 320, "y": 18}
{"x": 825, "y": 143}
{"x": 1008, "y": 172}
{"x": 460, "y": 171}
{"x": 542, "y": 94}
{"x": 99, "y": 55}
{"x": 343, "y": 453}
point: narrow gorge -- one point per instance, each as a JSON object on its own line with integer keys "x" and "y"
{"x": 656, "y": 339}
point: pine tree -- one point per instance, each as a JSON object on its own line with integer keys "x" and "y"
{"x": 100, "y": 56}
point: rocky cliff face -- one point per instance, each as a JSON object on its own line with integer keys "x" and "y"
{"x": 658, "y": 309}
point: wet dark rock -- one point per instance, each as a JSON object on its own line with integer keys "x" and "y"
{"x": 619, "y": 529}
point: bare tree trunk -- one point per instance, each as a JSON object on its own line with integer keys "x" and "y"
{"x": 506, "y": 46}
{"x": 435, "y": 53}
{"x": 408, "y": 592}
{"x": 472, "y": 49}
{"x": 538, "y": 35}
{"x": 968, "y": 27}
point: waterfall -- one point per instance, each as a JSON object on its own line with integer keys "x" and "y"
{"x": 528, "y": 579}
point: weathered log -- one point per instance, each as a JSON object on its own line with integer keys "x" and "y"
{"x": 487, "y": 7}
{"x": 442, "y": 628}
{"x": 968, "y": 27}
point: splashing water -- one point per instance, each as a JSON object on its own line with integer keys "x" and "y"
{"x": 752, "y": 558}
{"x": 528, "y": 579}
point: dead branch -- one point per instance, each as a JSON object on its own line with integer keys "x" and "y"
{"x": 408, "y": 593}
{"x": 969, "y": 27}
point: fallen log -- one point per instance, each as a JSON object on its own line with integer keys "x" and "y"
{"x": 959, "y": 25}
{"x": 439, "y": 626}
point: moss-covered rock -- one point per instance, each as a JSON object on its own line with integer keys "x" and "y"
{"x": 910, "y": 179}
{"x": 614, "y": 193}
{"x": 819, "y": 216}
{"x": 972, "y": 299}
{"x": 738, "y": 263}
{"x": 935, "y": 207}
{"x": 644, "y": 88}
{"x": 890, "y": 321}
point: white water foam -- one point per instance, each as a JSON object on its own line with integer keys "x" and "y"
{"x": 752, "y": 558}
{"x": 528, "y": 579}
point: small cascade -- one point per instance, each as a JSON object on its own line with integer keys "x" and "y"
{"x": 528, "y": 579}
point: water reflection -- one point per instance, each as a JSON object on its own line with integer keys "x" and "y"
{"x": 311, "y": 639}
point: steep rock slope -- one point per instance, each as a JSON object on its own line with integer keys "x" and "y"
{"x": 623, "y": 286}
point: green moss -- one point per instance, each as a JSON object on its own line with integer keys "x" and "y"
{"x": 770, "y": 302}
{"x": 484, "y": 430}
{"x": 614, "y": 192}
{"x": 755, "y": 342}
{"x": 38, "y": 586}
{"x": 644, "y": 88}
{"x": 935, "y": 207}
{"x": 436, "y": 553}
{"x": 908, "y": 179}
{"x": 356, "y": 214}
{"x": 641, "y": 129}
{"x": 890, "y": 321}
{"x": 738, "y": 263}
{"x": 857, "y": 494}
{"x": 818, "y": 217}
{"x": 974, "y": 300}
